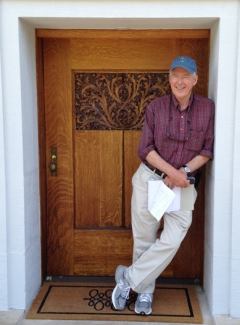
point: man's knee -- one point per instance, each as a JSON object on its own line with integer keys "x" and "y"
{"x": 184, "y": 219}
{"x": 186, "y": 223}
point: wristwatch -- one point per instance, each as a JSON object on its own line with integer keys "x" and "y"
{"x": 187, "y": 169}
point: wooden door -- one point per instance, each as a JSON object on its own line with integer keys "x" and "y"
{"x": 93, "y": 89}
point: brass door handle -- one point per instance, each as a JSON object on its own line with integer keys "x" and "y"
{"x": 53, "y": 161}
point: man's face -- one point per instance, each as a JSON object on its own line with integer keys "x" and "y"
{"x": 182, "y": 82}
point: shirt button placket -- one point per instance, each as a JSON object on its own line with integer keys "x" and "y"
{"x": 181, "y": 142}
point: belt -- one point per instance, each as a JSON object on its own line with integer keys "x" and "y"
{"x": 157, "y": 171}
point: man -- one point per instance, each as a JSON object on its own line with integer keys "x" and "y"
{"x": 177, "y": 139}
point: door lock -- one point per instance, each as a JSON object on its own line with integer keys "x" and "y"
{"x": 53, "y": 161}
{"x": 53, "y": 167}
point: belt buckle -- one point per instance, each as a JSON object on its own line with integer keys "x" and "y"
{"x": 163, "y": 175}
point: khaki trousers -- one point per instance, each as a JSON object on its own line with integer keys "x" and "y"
{"x": 151, "y": 255}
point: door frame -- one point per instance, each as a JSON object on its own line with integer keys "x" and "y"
{"x": 42, "y": 154}
{"x": 58, "y": 33}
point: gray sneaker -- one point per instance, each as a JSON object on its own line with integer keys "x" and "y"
{"x": 121, "y": 291}
{"x": 144, "y": 303}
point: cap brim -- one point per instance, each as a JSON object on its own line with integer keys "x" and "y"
{"x": 183, "y": 67}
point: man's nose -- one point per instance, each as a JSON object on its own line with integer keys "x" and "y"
{"x": 179, "y": 80}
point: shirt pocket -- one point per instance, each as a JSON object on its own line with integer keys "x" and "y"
{"x": 195, "y": 141}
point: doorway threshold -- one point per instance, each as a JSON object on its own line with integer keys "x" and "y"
{"x": 111, "y": 279}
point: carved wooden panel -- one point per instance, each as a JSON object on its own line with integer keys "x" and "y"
{"x": 115, "y": 100}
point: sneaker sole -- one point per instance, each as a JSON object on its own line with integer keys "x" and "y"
{"x": 113, "y": 294}
{"x": 142, "y": 312}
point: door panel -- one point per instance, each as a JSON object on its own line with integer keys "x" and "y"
{"x": 88, "y": 217}
{"x": 98, "y": 161}
{"x": 97, "y": 252}
{"x": 121, "y": 54}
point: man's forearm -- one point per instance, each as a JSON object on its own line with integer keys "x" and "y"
{"x": 197, "y": 162}
{"x": 175, "y": 177}
{"x": 156, "y": 161}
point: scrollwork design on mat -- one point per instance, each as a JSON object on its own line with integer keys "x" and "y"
{"x": 115, "y": 101}
{"x": 99, "y": 300}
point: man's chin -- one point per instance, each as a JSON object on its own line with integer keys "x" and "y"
{"x": 180, "y": 95}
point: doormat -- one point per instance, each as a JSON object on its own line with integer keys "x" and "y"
{"x": 92, "y": 301}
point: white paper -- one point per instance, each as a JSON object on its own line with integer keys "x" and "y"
{"x": 160, "y": 199}
{"x": 183, "y": 200}
{"x": 175, "y": 205}
{"x": 159, "y": 202}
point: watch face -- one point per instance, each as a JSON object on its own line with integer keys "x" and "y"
{"x": 187, "y": 169}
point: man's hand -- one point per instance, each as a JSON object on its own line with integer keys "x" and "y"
{"x": 167, "y": 181}
{"x": 177, "y": 178}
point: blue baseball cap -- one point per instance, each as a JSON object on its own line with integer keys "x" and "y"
{"x": 184, "y": 62}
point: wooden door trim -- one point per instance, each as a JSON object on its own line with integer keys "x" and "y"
{"x": 123, "y": 34}
{"x": 42, "y": 154}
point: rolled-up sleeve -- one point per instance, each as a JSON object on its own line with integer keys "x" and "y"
{"x": 207, "y": 148}
{"x": 146, "y": 144}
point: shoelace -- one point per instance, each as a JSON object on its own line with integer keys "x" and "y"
{"x": 145, "y": 297}
{"x": 125, "y": 288}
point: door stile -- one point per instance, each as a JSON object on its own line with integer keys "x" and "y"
{"x": 58, "y": 122}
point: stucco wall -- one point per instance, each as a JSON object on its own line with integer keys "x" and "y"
{"x": 19, "y": 205}
{"x": 235, "y": 211}
{"x": 3, "y": 221}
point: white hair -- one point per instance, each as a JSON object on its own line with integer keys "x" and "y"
{"x": 194, "y": 73}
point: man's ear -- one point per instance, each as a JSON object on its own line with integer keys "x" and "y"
{"x": 196, "y": 80}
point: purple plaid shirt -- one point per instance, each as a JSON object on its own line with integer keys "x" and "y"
{"x": 178, "y": 136}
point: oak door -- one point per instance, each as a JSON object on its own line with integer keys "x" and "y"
{"x": 93, "y": 89}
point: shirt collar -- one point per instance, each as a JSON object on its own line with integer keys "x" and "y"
{"x": 176, "y": 105}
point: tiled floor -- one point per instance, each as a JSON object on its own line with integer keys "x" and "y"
{"x": 16, "y": 317}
